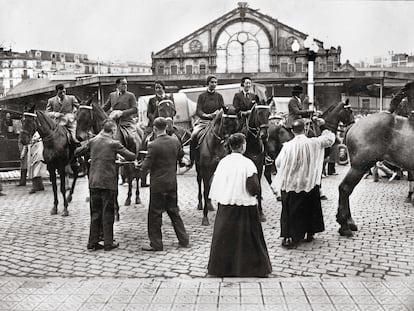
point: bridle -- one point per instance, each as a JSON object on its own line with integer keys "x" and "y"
{"x": 223, "y": 117}
{"x": 255, "y": 131}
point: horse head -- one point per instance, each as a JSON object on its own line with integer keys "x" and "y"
{"x": 89, "y": 118}
{"x": 166, "y": 109}
{"x": 28, "y": 126}
{"x": 340, "y": 112}
{"x": 225, "y": 123}
{"x": 258, "y": 121}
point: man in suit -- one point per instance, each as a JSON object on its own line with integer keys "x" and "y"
{"x": 103, "y": 177}
{"x": 295, "y": 106}
{"x": 208, "y": 104}
{"x": 161, "y": 160}
{"x": 123, "y": 106}
{"x": 62, "y": 108}
{"x": 244, "y": 101}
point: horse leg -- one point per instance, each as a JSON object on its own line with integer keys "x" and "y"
{"x": 200, "y": 195}
{"x": 75, "y": 170}
{"x": 62, "y": 175}
{"x": 343, "y": 216}
{"x": 52, "y": 174}
{"x": 128, "y": 199}
{"x": 137, "y": 193}
{"x": 207, "y": 202}
{"x": 268, "y": 174}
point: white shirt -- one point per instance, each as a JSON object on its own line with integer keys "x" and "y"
{"x": 299, "y": 163}
{"x": 229, "y": 182}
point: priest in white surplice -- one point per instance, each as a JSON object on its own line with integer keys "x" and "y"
{"x": 299, "y": 172}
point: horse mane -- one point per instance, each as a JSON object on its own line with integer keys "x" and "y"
{"x": 99, "y": 110}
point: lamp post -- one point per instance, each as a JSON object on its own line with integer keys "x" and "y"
{"x": 311, "y": 49}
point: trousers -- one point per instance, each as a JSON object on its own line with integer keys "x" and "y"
{"x": 160, "y": 202}
{"x": 102, "y": 215}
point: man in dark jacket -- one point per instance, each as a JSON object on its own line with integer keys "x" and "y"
{"x": 208, "y": 104}
{"x": 103, "y": 183}
{"x": 295, "y": 106}
{"x": 244, "y": 100}
{"x": 161, "y": 160}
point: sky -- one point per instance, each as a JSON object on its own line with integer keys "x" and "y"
{"x": 132, "y": 29}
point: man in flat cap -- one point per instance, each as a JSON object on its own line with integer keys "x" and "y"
{"x": 295, "y": 106}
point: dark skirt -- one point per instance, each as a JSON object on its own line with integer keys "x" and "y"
{"x": 238, "y": 247}
{"x": 301, "y": 213}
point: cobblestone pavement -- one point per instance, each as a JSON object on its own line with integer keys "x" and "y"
{"x": 36, "y": 244}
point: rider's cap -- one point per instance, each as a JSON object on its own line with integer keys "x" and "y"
{"x": 210, "y": 77}
{"x": 298, "y": 88}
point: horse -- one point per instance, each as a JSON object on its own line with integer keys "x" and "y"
{"x": 210, "y": 151}
{"x": 256, "y": 132}
{"x": 379, "y": 136}
{"x": 278, "y": 134}
{"x": 89, "y": 120}
{"x": 166, "y": 109}
{"x": 57, "y": 153}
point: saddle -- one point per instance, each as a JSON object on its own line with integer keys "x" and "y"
{"x": 200, "y": 136}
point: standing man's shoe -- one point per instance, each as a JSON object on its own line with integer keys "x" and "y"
{"x": 94, "y": 247}
{"x": 150, "y": 249}
{"x": 111, "y": 247}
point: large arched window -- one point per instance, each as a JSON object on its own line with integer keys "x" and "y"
{"x": 243, "y": 47}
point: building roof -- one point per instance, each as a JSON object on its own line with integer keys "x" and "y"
{"x": 237, "y": 11}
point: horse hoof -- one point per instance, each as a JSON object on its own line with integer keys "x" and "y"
{"x": 87, "y": 199}
{"x": 408, "y": 200}
{"x": 127, "y": 202}
{"x": 65, "y": 213}
{"x": 205, "y": 222}
{"x": 211, "y": 209}
{"x": 53, "y": 211}
{"x": 116, "y": 218}
{"x": 69, "y": 198}
{"x": 353, "y": 227}
{"x": 262, "y": 218}
{"x": 200, "y": 207}
{"x": 137, "y": 201}
{"x": 346, "y": 232}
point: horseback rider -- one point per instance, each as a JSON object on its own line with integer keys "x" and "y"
{"x": 244, "y": 101}
{"x": 208, "y": 105}
{"x": 62, "y": 108}
{"x": 124, "y": 106}
{"x": 295, "y": 106}
{"x": 152, "y": 108}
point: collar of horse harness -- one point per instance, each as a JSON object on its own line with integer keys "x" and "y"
{"x": 255, "y": 131}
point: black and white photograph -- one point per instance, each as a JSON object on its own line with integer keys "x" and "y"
{"x": 191, "y": 155}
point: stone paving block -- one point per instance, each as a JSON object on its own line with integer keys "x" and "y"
{"x": 229, "y": 307}
{"x": 136, "y": 307}
{"x": 271, "y": 300}
{"x": 369, "y": 307}
{"x": 275, "y": 307}
{"x": 115, "y": 307}
{"x": 69, "y": 306}
{"x": 346, "y": 307}
{"x": 90, "y": 306}
{"x": 46, "y": 306}
{"x": 159, "y": 307}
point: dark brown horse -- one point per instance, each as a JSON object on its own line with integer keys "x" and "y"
{"x": 89, "y": 122}
{"x": 379, "y": 136}
{"x": 209, "y": 153}
{"x": 57, "y": 152}
{"x": 256, "y": 132}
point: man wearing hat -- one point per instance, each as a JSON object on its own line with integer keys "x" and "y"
{"x": 161, "y": 161}
{"x": 208, "y": 104}
{"x": 295, "y": 106}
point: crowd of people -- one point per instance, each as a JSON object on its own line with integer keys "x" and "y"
{"x": 238, "y": 246}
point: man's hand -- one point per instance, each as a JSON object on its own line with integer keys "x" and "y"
{"x": 115, "y": 114}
